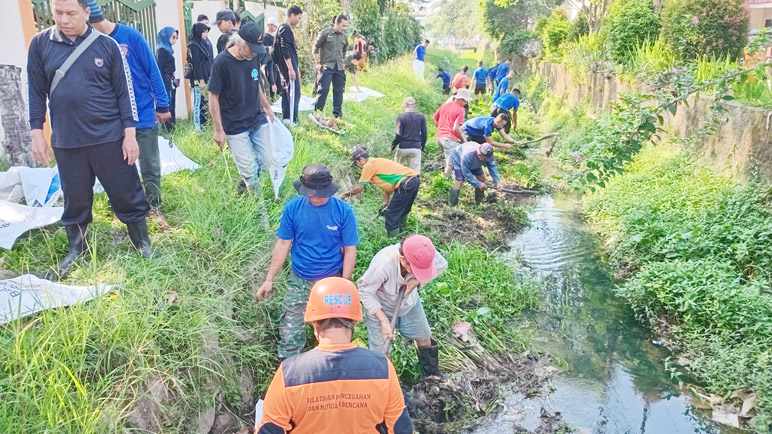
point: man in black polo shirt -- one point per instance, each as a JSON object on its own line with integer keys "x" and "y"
{"x": 92, "y": 122}
{"x": 239, "y": 107}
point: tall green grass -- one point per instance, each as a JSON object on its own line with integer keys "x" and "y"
{"x": 700, "y": 244}
{"x": 188, "y": 319}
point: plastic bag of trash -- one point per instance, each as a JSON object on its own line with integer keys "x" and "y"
{"x": 282, "y": 149}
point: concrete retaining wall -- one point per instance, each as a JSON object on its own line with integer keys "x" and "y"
{"x": 741, "y": 148}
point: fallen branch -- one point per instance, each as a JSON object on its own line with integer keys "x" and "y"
{"x": 544, "y": 137}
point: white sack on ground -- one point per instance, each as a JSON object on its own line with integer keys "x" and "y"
{"x": 355, "y": 96}
{"x": 172, "y": 160}
{"x": 27, "y": 294}
{"x": 306, "y": 104}
{"x": 38, "y": 186}
{"x": 367, "y": 91}
{"x": 16, "y": 219}
{"x": 282, "y": 149}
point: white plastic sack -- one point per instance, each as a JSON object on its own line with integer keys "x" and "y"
{"x": 16, "y": 219}
{"x": 367, "y": 91}
{"x": 38, "y": 187}
{"x": 283, "y": 149}
{"x": 305, "y": 105}
{"x": 27, "y": 294}
{"x": 355, "y": 96}
{"x": 172, "y": 160}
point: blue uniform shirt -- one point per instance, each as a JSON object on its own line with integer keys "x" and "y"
{"x": 149, "y": 90}
{"x": 502, "y": 89}
{"x": 445, "y": 78}
{"x": 502, "y": 71}
{"x": 420, "y": 53}
{"x": 479, "y": 126}
{"x": 492, "y": 71}
{"x": 318, "y": 234}
{"x": 481, "y": 74}
{"x": 508, "y": 101}
{"x": 465, "y": 158}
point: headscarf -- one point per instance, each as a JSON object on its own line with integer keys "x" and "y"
{"x": 163, "y": 39}
{"x": 196, "y": 40}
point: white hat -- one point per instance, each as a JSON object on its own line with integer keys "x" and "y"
{"x": 464, "y": 94}
{"x": 272, "y": 20}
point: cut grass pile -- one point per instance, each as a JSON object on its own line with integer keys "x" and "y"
{"x": 185, "y": 328}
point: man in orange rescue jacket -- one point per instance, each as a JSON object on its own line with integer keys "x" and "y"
{"x": 337, "y": 387}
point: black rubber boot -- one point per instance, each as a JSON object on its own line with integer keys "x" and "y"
{"x": 140, "y": 239}
{"x": 402, "y": 223}
{"x": 76, "y": 237}
{"x": 429, "y": 359}
{"x": 394, "y": 233}
{"x": 454, "y": 197}
{"x": 479, "y": 195}
{"x": 241, "y": 187}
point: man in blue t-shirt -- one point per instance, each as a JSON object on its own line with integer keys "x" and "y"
{"x": 445, "y": 77}
{"x": 507, "y": 103}
{"x": 503, "y": 85}
{"x": 481, "y": 79}
{"x": 151, "y": 98}
{"x": 419, "y": 54}
{"x": 503, "y": 70}
{"x": 492, "y": 71}
{"x": 480, "y": 130}
{"x": 321, "y": 233}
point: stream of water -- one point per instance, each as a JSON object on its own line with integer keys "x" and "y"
{"x": 614, "y": 379}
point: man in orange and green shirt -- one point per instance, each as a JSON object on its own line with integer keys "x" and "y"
{"x": 399, "y": 184}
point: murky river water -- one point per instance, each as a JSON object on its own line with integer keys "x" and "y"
{"x": 614, "y": 379}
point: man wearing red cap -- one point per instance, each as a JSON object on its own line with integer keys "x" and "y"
{"x": 337, "y": 387}
{"x": 411, "y": 263}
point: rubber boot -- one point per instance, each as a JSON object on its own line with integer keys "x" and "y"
{"x": 394, "y": 233}
{"x": 241, "y": 187}
{"x": 76, "y": 237}
{"x": 402, "y": 223}
{"x": 140, "y": 239}
{"x": 479, "y": 196}
{"x": 454, "y": 197}
{"x": 429, "y": 359}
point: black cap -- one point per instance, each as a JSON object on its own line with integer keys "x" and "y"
{"x": 253, "y": 36}
{"x": 225, "y": 15}
{"x": 359, "y": 152}
{"x": 316, "y": 181}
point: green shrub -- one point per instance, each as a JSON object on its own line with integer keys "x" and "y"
{"x": 713, "y": 28}
{"x": 401, "y": 33}
{"x": 589, "y": 53}
{"x": 367, "y": 20}
{"x": 579, "y": 27}
{"x": 554, "y": 34}
{"x": 630, "y": 23}
{"x": 514, "y": 42}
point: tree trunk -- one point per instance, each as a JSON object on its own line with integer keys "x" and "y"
{"x": 13, "y": 115}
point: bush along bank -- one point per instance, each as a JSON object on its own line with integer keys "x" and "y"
{"x": 698, "y": 249}
{"x": 183, "y": 343}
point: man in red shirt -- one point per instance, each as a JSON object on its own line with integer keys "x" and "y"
{"x": 448, "y": 120}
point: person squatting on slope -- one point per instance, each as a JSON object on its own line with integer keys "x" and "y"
{"x": 468, "y": 161}
{"x": 411, "y": 263}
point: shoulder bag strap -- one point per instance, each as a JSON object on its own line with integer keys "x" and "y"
{"x": 62, "y": 70}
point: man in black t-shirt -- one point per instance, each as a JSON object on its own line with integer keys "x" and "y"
{"x": 239, "y": 107}
{"x": 226, "y": 24}
{"x": 286, "y": 58}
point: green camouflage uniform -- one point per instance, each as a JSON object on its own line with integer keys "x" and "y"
{"x": 292, "y": 328}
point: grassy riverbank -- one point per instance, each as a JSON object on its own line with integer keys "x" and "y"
{"x": 695, "y": 248}
{"x": 182, "y": 338}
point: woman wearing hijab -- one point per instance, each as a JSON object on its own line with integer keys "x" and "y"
{"x": 164, "y": 55}
{"x": 200, "y": 59}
